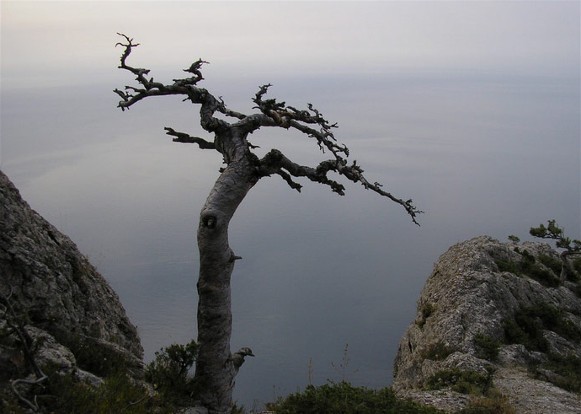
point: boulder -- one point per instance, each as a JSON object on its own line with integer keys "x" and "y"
{"x": 489, "y": 312}
{"x": 51, "y": 293}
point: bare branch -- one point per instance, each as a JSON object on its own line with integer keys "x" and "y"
{"x": 355, "y": 174}
{"x": 310, "y": 122}
{"x": 275, "y": 162}
{"x": 195, "y": 69}
{"x": 290, "y": 117}
{"x": 188, "y": 139}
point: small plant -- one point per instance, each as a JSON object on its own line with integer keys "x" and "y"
{"x": 438, "y": 351}
{"x": 551, "y": 262}
{"x": 344, "y": 398}
{"x": 527, "y": 265}
{"x": 465, "y": 382}
{"x": 529, "y": 323}
{"x": 117, "y": 394}
{"x": 568, "y": 370}
{"x": 507, "y": 266}
{"x": 344, "y": 365}
{"x": 486, "y": 347}
{"x": 513, "y": 238}
{"x": 169, "y": 372}
{"x": 426, "y": 310}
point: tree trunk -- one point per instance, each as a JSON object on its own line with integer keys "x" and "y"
{"x": 215, "y": 372}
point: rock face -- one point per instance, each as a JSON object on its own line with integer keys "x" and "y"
{"x": 72, "y": 316}
{"x": 495, "y": 316}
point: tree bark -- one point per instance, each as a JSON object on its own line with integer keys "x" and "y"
{"x": 215, "y": 372}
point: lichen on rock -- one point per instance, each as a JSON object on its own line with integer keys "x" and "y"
{"x": 496, "y": 308}
{"x": 74, "y": 319}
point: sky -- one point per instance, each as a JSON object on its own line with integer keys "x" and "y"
{"x": 471, "y": 108}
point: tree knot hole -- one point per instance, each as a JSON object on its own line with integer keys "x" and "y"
{"x": 209, "y": 221}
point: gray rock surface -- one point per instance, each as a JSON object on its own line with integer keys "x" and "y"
{"x": 504, "y": 298}
{"x": 66, "y": 306}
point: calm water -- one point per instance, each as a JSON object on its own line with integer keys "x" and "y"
{"x": 480, "y": 154}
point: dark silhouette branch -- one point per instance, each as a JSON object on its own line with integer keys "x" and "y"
{"x": 188, "y": 139}
{"x": 309, "y": 121}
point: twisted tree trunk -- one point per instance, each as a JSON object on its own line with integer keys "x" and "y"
{"x": 215, "y": 370}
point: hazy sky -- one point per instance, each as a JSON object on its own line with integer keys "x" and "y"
{"x": 470, "y": 108}
{"x": 48, "y": 43}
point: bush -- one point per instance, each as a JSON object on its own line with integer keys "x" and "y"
{"x": 344, "y": 398}
{"x": 568, "y": 370}
{"x": 438, "y": 351}
{"x": 486, "y": 347}
{"x": 426, "y": 310}
{"x": 529, "y": 323}
{"x": 528, "y": 266}
{"x": 169, "y": 372}
{"x": 117, "y": 394}
{"x": 465, "y": 382}
{"x": 551, "y": 262}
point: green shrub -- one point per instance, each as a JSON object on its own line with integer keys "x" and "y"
{"x": 513, "y": 238}
{"x": 486, "y": 347}
{"x": 117, "y": 394}
{"x": 529, "y": 323}
{"x": 568, "y": 370}
{"x": 507, "y": 266}
{"x": 344, "y": 398}
{"x": 552, "y": 263}
{"x": 169, "y": 372}
{"x": 426, "y": 310}
{"x": 543, "y": 276}
{"x": 528, "y": 266}
{"x": 465, "y": 382}
{"x": 437, "y": 351}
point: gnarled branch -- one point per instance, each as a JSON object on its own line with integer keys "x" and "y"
{"x": 310, "y": 122}
{"x": 188, "y": 139}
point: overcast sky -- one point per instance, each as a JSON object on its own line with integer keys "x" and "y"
{"x": 48, "y": 43}
{"x": 470, "y": 108}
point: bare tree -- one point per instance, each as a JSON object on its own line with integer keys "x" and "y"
{"x": 216, "y": 366}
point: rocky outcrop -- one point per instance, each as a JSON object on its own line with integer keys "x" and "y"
{"x": 495, "y": 316}
{"x": 50, "y": 292}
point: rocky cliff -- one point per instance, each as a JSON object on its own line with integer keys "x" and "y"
{"x": 496, "y": 327}
{"x": 56, "y": 310}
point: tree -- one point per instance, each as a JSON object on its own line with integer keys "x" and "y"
{"x": 570, "y": 247}
{"x": 216, "y": 366}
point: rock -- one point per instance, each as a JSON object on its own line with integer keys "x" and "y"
{"x": 49, "y": 352}
{"x": 194, "y": 410}
{"x": 47, "y": 287}
{"x": 489, "y": 311}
